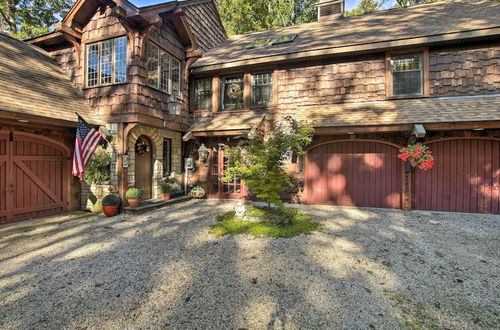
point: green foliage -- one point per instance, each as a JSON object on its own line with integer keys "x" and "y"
{"x": 166, "y": 188}
{"x": 261, "y": 162}
{"x": 111, "y": 200}
{"x": 26, "y": 18}
{"x": 365, "y": 7}
{"x": 271, "y": 223}
{"x": 243, "y": 16}
{"x": 133, "y": 193}
{"x": 99, "y": 167}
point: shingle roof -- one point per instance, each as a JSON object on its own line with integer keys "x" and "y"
{"x": 33, "y": 84}
{"x": 408, "y": 111}
{"x": 427, "y": 21}
{"x": 225, "y": 123}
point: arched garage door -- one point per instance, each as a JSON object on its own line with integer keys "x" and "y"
{"x": 360, "y": 173}
{"x": 34, "y": 176}
{"x": 465, "y": 177}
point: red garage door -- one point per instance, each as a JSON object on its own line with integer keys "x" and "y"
{"x": 34, "y": 176}
{"x": 465, "y": 177}
{"x": 360, "y": 173}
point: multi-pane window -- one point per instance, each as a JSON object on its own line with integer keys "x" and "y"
{"x": 231, "y": 89}
{"x": 407, "y": 74}
{"x": 262, "y": 89}
{"x": 203, "y": 93}
{"x": 106, "y": 62}
{"x": 167, "y": 156}
{"x": 164, "y": 71}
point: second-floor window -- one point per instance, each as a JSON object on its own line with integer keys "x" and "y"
{"x": 407, "y": 74}
{"x": 231, "y": 89}
{"x": 203, "y": 94}
{"x": 262, "y": 89}
{"x": 163, "y": 70}
{"x": 107, "y": 62}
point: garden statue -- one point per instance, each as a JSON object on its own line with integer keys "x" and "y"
{"x": 240, "y": 209}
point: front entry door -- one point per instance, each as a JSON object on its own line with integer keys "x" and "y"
{"x": 144, "y": 166}
{"x": 234, "y": 189}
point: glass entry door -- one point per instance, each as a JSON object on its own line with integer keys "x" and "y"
{"x": 234, "y": 189}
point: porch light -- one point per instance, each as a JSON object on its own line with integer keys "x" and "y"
{"x": 174, "y": 104}
{"x": 203, "y": 153}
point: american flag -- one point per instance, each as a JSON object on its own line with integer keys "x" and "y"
{"x": 87, "y": 140}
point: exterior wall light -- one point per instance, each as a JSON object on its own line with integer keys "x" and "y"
{"x": 203, "y": 153}
{"x": 174, "y": 104}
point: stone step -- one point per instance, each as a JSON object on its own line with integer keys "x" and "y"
{"x": 150, "y": 205}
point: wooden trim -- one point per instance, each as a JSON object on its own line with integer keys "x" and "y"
{"x": 397, "y": 146}
{"x": 461, "y": 125}
{"x": 220, "y": 133}
{"x": 215, "y": 93}
{"x": 425, "y": 72}
{"x": 37, "y": 181}
{"x": 247, "y": 90}
{"x": 275, "y": 87}
{"x": 351, "y": 49}
{"x": 103, "y": 38}
{"x": 62, "y": 147}
{"x": 463, "y": 138}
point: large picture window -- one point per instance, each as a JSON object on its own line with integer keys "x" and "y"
{"x": 262, "y": 89}
{"x": 106, "y": 62}
{"x": 203, "y": 93}
{"x": 231, "y": 89}
{"x": 407, "y": 74}
{"x": 164, "y": 71}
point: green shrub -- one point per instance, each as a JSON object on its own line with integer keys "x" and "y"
{"x": 111, "y": 200}
{"x": 166, "y": 188}
{"x": 133, "y": 193}
{"x": 99, "y": 167}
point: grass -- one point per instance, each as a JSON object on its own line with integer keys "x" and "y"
{"x": 271, "y": 223}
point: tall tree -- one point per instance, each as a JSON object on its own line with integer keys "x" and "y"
{"x": 27, "y": 18}
{"x": 365, "y": 7}
{"x": 243, "y": 16}
{"x": 407, "y": 3}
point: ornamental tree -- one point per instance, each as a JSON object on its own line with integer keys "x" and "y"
{"x": 261, "y": 161}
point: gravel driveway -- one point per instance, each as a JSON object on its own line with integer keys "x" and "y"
{"x": 369, "y": 268}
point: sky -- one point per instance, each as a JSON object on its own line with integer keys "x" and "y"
{"x": 348, "y": 3}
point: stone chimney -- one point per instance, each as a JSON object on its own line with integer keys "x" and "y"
{"x": 330, "y": 9}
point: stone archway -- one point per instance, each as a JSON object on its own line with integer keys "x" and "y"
{"x": 157, "y": 156}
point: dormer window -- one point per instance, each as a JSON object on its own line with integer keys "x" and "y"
{"x": 164, "y": 71}
{"x": 106, "y": 62}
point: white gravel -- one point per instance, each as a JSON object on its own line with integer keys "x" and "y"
{"x": 369, "y": 268}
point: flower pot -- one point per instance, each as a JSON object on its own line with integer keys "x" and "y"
{"x": 110, "y": 211}
{"x": 133, "y": 202}
{"x": 165, "y": 196}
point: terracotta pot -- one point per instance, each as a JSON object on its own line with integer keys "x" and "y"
{"x": 165, "y": 196}
{"x": 133, "y": 202}
{"x": 110, "y": 211}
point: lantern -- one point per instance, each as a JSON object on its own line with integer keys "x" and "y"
{"x": 203, "y": 153}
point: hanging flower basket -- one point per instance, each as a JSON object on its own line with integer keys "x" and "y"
{"x": 419, "y": 155}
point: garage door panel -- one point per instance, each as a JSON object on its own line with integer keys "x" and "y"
{"x": 358, "y": 173}
{"x": 464, "y": 179}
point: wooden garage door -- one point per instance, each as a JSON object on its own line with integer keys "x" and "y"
{"x": 465, "y": 177}
{"x": 360, "y": 173}
{"x": 34, "y": 176}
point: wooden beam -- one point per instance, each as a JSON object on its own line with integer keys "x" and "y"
{"x": 362, "y": 129}
{"x": 462, "y": 125}
{"x": 144, "y": 119}
{"x": 61, "y": 27}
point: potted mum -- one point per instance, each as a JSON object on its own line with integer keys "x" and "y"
{"x": 111, "y": 205}
{"x": 166, "y": 190}
{"x": 417, "y": 154}
{"x": 133, "y": 196}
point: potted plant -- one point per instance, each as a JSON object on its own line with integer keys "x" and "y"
{"x": 133, "y": 196}
{"x": 111, "y": 204}
{"x": 417, "y": 154}
{"x": 197, "y": 192}
{"x": 166, "y": 190}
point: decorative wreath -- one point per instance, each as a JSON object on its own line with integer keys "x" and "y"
{"x": 234, "y": 91}
{"x": 142, "y": 145}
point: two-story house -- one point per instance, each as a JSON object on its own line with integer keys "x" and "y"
{"x": 132, "y": 66}
{"x": 369, "y": 84}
